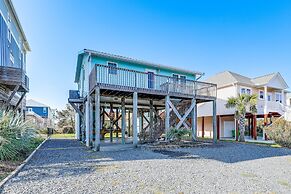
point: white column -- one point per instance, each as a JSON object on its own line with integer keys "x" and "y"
{"x": 167, "y": 118}
{"x": 194, "y": 120}
{"x": 266, "y": 100}
{"x": 265, "y": 106}
{"x": 283, "y": 97}
{"x": 87, "y": 121}
{"x": 77, "y": 126}
{"x": 123, "y": 121}
{"x": 134, "y": 119}
{"x": 214, "y": 122}
{"x": 97, "y": 120}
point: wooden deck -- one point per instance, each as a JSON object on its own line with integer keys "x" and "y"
{"x": 11, "y": 77}
{"x": 119, "y": 81}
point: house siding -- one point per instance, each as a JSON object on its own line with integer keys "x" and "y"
{"x": 40, "y": 111}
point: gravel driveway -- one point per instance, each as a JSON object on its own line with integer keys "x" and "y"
{"x": 66, "y": 166}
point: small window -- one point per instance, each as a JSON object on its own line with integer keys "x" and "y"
{"x": 278, "y": 97}
{"x": 11, "y": 58}
{"x": 44, "y": 110}
{"x": 9, "y": 35}
{"x": 249, "y": 91}
{"x": 183, "y": 79}
{"x": 112, "y": 68}
{"x": 176, "y": 78}
{"x": 261, "y": 96}
{"x": 29, "y": 109}
{"x": 243, "y": 91}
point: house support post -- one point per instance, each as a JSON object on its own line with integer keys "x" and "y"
{"x": 134, "y": 119}
{"x": 87, "y": 121}
{"x": 123, "y": 122}
{"x": 203, "y": 125}
{"x": 97, "y": 120}
{"x": 218, "y": 127}
{"x": 141, "y": 125}
{"x": 194, "y": 120}
{"x": 111, "y": 122}
{"x": 214, "y": 123}
{"x": 167, "y": 117}
{"x": 77, "y": 126}
{"x": 129, "y": 124}
{"x": 151, "y": 119}
{"x": 91, "y": 121}
{"x": 255, "y": 127}
{"x": 117, "y": 123}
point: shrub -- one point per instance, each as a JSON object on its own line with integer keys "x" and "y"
{"x": 177, "y": 134}
{"x": 17, "y": 138}
{"x": 280, "y": 132}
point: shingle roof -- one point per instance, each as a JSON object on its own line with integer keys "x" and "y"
{"x": 262, "y": 80}
{"x": 227, "y": 78}
{"x": 34, "y": 103}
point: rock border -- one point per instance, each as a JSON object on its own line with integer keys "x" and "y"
{"x": 21, "y": 166}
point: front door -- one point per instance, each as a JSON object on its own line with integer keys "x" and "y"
{"x": 151, "y": 79}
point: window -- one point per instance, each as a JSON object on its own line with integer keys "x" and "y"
{"x": 9, "y": 35}
{"x": 269, "y": 97}
{"x": 44, "y": 110}
{"x": 279, "y": 97}
{"x": 29, "y": 109}
{"x": 245, "y": 91}
{"x": 176, "y": 78}
{"x": 112, "y": 68}
{"x": 261, "y": 95}
{"x": 183, "y": 79}
{"x": 11, "y": 58}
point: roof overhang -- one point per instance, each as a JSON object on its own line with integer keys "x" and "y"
{"x": 129, "y": 60}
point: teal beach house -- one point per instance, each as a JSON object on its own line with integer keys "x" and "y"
{"x": 130, "y": 100}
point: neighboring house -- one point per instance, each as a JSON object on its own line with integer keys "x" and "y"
{"x": 271, "y": 91}
{"x": 14, "y": 83}
{"x": 38, "y": 110}
{"x": 136, "y": 94}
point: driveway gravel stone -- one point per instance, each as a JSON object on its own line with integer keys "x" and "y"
{"x": 67, "y": 166}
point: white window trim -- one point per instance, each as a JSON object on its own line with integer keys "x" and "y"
{"x": 260, "y": 94}
{"x": 246, "y": 88}
{"x": 112, "y": 63}
{"x": 281, "y": 97}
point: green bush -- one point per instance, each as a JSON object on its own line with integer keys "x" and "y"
{"x": 17, "y": 137}
{"x": 177, "y": 134}
{"x": 280, "y": 132}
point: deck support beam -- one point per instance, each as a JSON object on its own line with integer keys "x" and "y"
{"x": 97, "y": 120}
{"x": 214, "y": 122}
{"x": 167, "y": 117}
{"x": 91, "y": 121}
{"x": 194, "y": 120}
{"x": 77, "y": 126}
{"x": 134, "y": 119}
{"x": 87, "y": 119}
{"x": 151, "y": 119}
{"x": 203, "y": 125}
{"x": 123, "y": 121}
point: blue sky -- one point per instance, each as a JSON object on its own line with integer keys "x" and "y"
{"x": 250, "y": 37}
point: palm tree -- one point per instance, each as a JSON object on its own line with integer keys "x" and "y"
{"x": 242, "y": 104}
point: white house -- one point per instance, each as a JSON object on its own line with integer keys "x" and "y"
{"x": 272, "y": 102}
